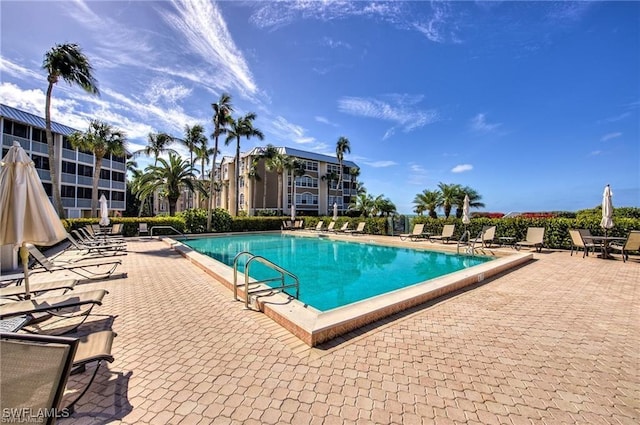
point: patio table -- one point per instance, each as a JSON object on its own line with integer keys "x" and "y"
{"x": 605, "y": 240}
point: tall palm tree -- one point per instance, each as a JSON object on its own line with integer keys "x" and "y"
{"x": 428, "y": 200}
{"x": 169, "y": 177}
{"x": 157, "y": 144}
{"x": 267, "y": 153}
{"x": 329, "y": 178}
{"x": 277, "y": 164}
{"x": 221, "y": 118}
{"x": 255, "y": 177}
{"x": 449, "y": 193}
{"x": 193, "y": 138}
{"x": 297, "y": 168}
{"x": 102, "y": 140}
{"x": 242, "y": 127}
{"x": 64, "y": 61}
{"x": 342, "y": 146}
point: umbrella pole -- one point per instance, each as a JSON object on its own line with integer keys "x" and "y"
{"x": 24, "y": 256}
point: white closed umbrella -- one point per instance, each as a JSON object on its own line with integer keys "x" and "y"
{"x": 335, "y": 211}
{"x": 104, "y": 211}
{"x": 466, "y": 218}
{"x": 607, "y": 210}
{"x": 26, "y": 213}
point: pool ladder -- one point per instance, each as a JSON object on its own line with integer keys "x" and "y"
{"x": 282, "y": 273}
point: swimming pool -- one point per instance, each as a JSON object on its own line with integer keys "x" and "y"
{"x": 335, "y": 273}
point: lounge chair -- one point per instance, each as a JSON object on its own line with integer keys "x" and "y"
{"x": 359, "y": 230}
{"x": 631, "y": 244}
{"x": 417, "y": 233}
{"x": 534, "y": 238}
{"x": 578, "y": 242}
{"x": 35, "y": 370}
{"x": 142, "y": 228}
{"x": 344, "y": 228}
{"x": 446, "y": 235}
{"x": 42, "y": 308}
{"x": 298, "y": 225}
{"x": 485, "y": 237}
{"x": 116, "y": 230}
{"x": 86, "y": 269}
{"x": 94, "y": 247}
{"x": 330, "y": 227}
{"x": 287, "y": 225}
{"x": 17, "y": 291}
{"x": 89, "y": 238}
{"x": 319, "y": 226}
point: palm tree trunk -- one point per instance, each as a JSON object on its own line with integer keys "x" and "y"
{"x": 94, "y": 193}
{"x": 237, "y": 167}
{"x": 212, "y": 192}
{"x": 280, "y": 193}
{"x": 55, "y": 187}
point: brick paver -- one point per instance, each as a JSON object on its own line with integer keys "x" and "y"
{"x": 553, "y": 342}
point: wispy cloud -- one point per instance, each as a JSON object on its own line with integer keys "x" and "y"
{"x": 568, "y": 11}
{"x": 380, "y": 164}
{"x": 479, "y": 123}
{"x": 435, "y": 27}
{"x": 462, "y": 168}
{"x": 595, "y": 153}
{"x": 18, "y": 71}
{"x": 205, "y": 31}
{"x": 610, "y": 136}
{"x": 335, "y": 44}
{"x": 417, "y": 174}
{"x": 288, "y": 132}
{"x": 618, "y": 117}
{"x": 400, "y": 110}
{"x": 324, "y": 120}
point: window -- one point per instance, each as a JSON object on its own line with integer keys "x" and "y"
{"x": 41, "y": 162}
{"x": 16, "y": 129}
{"x": 117, "y": 158}
{"x": 306, "y": 199}
{"x": 85, "y": 170}
{"x": 67, "y": 191}
{"x": 332, "y": 168}
{"x": 84, "y": 192}
{"x": 38, "y": 135}
{"x": 68, "y": 167}
{"x": 47, "y": 188}
{"x": 117, "y": 177}
{"x": 311, "y": 165}
{"x": 117, "y": 196}
{"x": 306, "y": 181}
{"x": 105, "y": 174}
{"x": 66, "y": 143}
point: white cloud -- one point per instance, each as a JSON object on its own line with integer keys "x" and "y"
{"x": 380, "y": 164}
{"x": 610, "y": 136}
{"x": 18, "y": 71}
{"x": 479, "y": 123}
{"x": 289, "y": 132}
{"x": 462, "y": 168}
{"x": 618, "y": 117}
{"x": 595, "y": 153}
{"x": 401, "y": 110}
{"x": 324, "y": 120}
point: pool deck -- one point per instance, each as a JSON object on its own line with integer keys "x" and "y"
{"x": 556, "y": 341}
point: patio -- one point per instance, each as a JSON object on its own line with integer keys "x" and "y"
{"x": 554, "y": 341}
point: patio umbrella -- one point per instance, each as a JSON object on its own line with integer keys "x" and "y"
{"x": 335, "y": 211}
{"x": 104, "y": 211}
{"x": 607, "y": 210}
{"x": 26, "y": 213}
{"x": 293, "y": 212}
{"x": 466, "y": 219}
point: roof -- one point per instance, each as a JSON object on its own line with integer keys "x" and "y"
{"x": 304, "y": 155}
{"x": 34, "y": 120}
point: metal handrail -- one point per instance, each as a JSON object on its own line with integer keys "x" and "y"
{"x": 470, "y": 250}
{"x": 269, "y": 264}
{"x": 167, "y": 227}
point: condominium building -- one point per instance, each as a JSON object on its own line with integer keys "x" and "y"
{"x": 75, "y": 167}
{"x": 316, "y": 191}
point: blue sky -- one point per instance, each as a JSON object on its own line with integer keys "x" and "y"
{"x": 536, "y": 105}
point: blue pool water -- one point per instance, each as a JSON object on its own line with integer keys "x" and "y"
{"x": 336, "y": 273}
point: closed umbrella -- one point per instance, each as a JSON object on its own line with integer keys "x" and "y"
{"x": 466, "y": 219}
{"x": 335, "y": 211}
{"x": 26, "y": 213}
{"x": 293, "y": 212}
{"x": 607, "y": 210}
{"x": 104, "y": 211}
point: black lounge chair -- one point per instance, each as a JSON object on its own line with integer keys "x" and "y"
{"x": 36, "y": 368}
{"x": 84, "y": 268}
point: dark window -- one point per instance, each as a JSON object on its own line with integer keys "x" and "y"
{"x": 84, "y": 192}
{"x": 41, "y": 162}
{"x": 117, "y": 158}
{"x": 38, "y": 135}
{"x": 16, "y": 129}
{"x": 117, "y": 196}
{"x": 104, "y": 174}
{"x": 117, "y": 177}
{"x": 85, "y": 170}
{"x": 47, "y": 188}
{"x": 68, "y": 167}
{"x": 5, "y": 152}
{"x": 68, "y": 191}
{"x": 66, "y": 143}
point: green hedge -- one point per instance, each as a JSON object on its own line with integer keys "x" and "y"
{"x": 194, "y": 221}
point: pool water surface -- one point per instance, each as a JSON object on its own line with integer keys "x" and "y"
{"x": 334, "y": 273}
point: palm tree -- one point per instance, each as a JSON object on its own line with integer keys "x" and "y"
{"x": 297, "y": 168}
{"x": 102, "y": 140}
{"x": 242, "y": 127}
{"x": 385, "y": 206}
{"x": 474, "y": 200}
{"x": 221, "y": 118}
{"x": 363, "y": 203}
{"x": 64, "y": 61}
{"x": 329, "y": 178}
{"x": 277, "y": 164}
{"x": 255, "y": 177}
{"x": 267, "y": 153}
{"x": 342, "y": 147}
{"x": 193, "y": 138}
{"x": 157, "y": 144}
{"x": 449, "y": 193}
{"x": 170, "y": 177}
{"x": 428, "y": 200}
